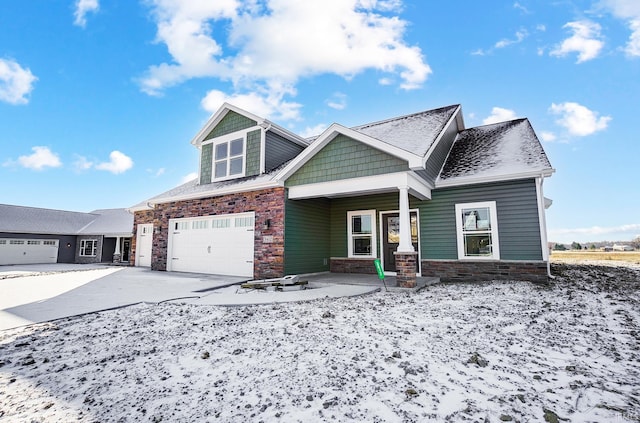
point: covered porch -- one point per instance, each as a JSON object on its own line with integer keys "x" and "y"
{"x": 367, "y": 218}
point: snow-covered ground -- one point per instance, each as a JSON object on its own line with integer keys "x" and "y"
{"x": 510, "y": 351}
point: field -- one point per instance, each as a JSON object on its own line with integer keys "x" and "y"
{"x": 566, "y": 351}
{"x": 595, "y": 256}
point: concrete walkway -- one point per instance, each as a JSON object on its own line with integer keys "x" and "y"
{"x": 41, "y": 293}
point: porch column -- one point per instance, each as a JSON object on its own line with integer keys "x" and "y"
{"x": 406, "y": 255}
{"x": 116, "y": 253}
{"x": 405, "y": 245}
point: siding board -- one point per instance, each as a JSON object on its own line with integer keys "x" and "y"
{"x": 307, "y": 236}
{"x": 279, "y": 150}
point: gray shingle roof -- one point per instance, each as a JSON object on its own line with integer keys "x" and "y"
{"x": 414, "y": 133}
{"x": 500, "y": 149}
{"x": 33, "y": 220}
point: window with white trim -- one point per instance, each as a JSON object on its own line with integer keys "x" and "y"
{"x": 477, "y": 231}
{"x": 88, "y": 247}
{"x": 229, "y": 158}
{"x": 361, "y": 234}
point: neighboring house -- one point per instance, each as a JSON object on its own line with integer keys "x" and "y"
{"x": 419, "y": 192}
{"x": 31, "y": 235}
{"x": 623, "y": 247}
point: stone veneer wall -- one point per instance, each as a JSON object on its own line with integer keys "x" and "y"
{"x": 267, "y": 204}
{"x": 351, "y": 265}
{"x": 474, "y": 271}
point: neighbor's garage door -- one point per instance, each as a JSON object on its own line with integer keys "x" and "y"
{"x": 221, "y": 245}
{"x": 28, "y": 251}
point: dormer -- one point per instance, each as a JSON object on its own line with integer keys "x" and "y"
{"x": 237, "y": 144}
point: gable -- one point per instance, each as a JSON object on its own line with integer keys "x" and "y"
{"x": 345, "y": 158}
{"x": 231, "y": 122}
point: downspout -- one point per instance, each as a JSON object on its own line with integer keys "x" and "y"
{"x": 543, "y": 224}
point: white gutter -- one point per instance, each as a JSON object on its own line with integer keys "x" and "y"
{"x": 468, "y": 180}
{"x": 542, "y": 218}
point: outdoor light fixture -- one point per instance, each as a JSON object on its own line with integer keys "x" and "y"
{"x": 267, "y": 224}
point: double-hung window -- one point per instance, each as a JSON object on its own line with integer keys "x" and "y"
{"x": 361, "y": 233}
{"x": 477, "y": 231}
{"x": 88, "y": 247}
{"x": 228, "y": 158}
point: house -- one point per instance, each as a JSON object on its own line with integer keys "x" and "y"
{"x": 422, "y": 193}
{"x": 30, "y": 235}
{"x": 622, "y": 247}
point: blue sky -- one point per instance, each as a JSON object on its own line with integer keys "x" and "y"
{"x": 99, "y": 99}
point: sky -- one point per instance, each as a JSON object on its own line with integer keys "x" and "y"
{"x": 99, "y": 100}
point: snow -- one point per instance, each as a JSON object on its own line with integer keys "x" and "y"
{"x": 468, "y": 351}
{"x": 501, "y": 149}
{"x": 413, "y": 133}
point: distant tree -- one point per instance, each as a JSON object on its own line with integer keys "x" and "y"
{"x": 559, "y": 247}
{"x": 592, "y": 247}
{"x": 576, "y": 246}
{"x": 636, "y": 243}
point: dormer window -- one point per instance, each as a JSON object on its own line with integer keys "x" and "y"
{"x": 228, "y": 159}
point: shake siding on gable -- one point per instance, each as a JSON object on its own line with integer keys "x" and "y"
{"x": 279, "y": 150}
{"x": 231, "y": 122}
{"x": 345, "y": 158}
{"x": 307, "y": 236}
{"x": 206, "y": 165}
{"x": 253, "y": 153}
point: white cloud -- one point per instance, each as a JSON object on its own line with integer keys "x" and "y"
{"x": 498, "y": 114}
{"x": 83, "y": 7}
{"x": 262, "y": 103}
{"x": 585, "y": 41}
{"x": 522, "y": 8}
{"x": 189, "y": 177}
{"x": 595, "y": 233}
{"x": 337, "y": 101}
{"x": 627, "y": 10}
{"x": 42, "y": 157}
{"x": 82, "y": 164}
{"x": 548, "y": 136}
{"x": 519, "y": 37}
{"x": 312, "y": 131}
{"x": 243, "y": 42}
{"x": 579, "y": 120}
{"x": 16, "y": 82}
{"x": 118, "y": 163}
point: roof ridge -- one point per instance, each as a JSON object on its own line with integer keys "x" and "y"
{"x": 380, "y": 122}
{"x": 516, "y": 120}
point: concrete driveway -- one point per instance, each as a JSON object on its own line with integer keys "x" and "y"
{"x": 39, "y": 293}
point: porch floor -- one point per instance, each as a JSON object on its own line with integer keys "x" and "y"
{"x": 366, "y": 279}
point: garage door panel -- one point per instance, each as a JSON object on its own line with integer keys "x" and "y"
{"x": 28, "y": 251}
{"x": 215, "y": 244}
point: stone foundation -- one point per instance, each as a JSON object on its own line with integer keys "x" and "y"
{"x": 406, "y": 269}
{"x": 475, "y": 271}
{"x": 351, "y": 265}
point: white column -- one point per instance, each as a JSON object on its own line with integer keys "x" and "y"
{"x": 117, "y": 251}
{"x": 405, "y": 245}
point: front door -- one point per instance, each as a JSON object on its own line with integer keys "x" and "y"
{"x": 126, "y": 245}
{"x": 391, "y": 237}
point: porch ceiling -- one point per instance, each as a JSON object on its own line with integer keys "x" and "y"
{"x": 377, "y": 184}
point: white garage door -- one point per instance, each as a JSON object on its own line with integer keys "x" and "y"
{"x": 28, "y": 251}
{"x": 221, "y": 245}
{"x": 144, "y": 242}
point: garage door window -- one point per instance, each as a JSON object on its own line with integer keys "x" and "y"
{"x": 88, "y": 247}
{"x": 244, "y": 222}
{"x": 220, "y": 223}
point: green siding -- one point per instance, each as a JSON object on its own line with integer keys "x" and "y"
{"x": 345, "y": 158}
{"x": 205, "y": 163}
{"x": 306, "y": 247}
{"x": 317, "y": 228}
{"x": 253, "y": 153}
{"x": 231, "y": 122}
{"x": 518, "y": 224}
